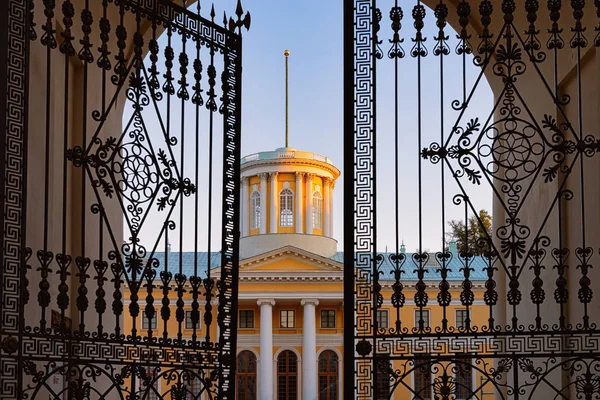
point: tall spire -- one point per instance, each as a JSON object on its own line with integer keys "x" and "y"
{"x": 286, "y": 53}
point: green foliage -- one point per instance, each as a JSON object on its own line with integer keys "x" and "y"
{"x": 473, "y": 239}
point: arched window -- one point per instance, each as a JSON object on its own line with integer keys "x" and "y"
{"x": 255, "y": 210}
{"x": 196, "y": 388}
{"x": 317, "y": 210}
{"x": 287, "y": 376}
{"x": 422, "y": 377}
{"x": 286, "y": 207}
{"x": 382, "y": 380}
{"x": 246, "y": 376}
{"x": 328, "y": 375}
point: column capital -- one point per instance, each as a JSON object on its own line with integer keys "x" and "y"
{"x": 332, "y": 184}
{"x": 263, "y": 176}
{"x": 326, "y": 181}
{"x": 245, "y": 181}
{"x": 299, "y": 175}
{"x": 273, "y": 174}
{"x": 314, "y": 302}
{"x": 309, "y": 175}
{"x": 270, "y": 302}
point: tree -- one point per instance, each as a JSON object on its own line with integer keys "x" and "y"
{"x": 478, "y": 229}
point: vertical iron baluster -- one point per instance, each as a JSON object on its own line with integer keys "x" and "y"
{"x": 66, "y": 48}
{"x": 83, "y": 262}
{"x": 103, "y": 60}
{"x": 538, "y": 295}
{"x": 120, "y": 70}
{"x": 583, "y": 253}
{"x": 441, "y": 49}
{"x": 486, "y": 47}
{"x": 532, "y": 43}
{"x": 198, "y": 102}
{"x": 166, "y": 278}
{"x": 466, "y": 254}
{"x": 463, "y": 49}
{"x": 183, "y": 95}
{"x": 101, "y": 267}
{"x": 419, "y": 51}
{"x": 397, "y": 259}
{"x": 45, "y": 256}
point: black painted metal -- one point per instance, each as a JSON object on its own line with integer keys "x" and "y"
{"x": 79, "y": 279}
{"x": 546, "y": 343}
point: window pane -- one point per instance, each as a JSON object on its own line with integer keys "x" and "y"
{"x": 382, "y": 318}
{"x": 327, "y": 318}
{"x": 246, "y": 319}
{"x": 424, "y": 315}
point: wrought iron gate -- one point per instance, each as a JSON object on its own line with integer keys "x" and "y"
{"x": 536, "y": 150}
{"x": 123, "y": 137}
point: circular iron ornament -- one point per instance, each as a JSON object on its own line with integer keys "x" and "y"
{"x": 364, "y": 348}
{"x": 10, "y": 344}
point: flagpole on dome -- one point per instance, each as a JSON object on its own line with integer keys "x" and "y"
{"x": 286, "y": 53}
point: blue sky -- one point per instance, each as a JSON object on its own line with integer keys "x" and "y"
{"x": 312, "y": 31}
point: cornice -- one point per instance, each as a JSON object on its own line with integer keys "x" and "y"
{"x": 292, "y": 161}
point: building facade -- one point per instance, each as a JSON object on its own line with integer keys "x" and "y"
{"x": 290, "y": 303}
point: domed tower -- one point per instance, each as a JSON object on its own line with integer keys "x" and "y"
{"x": 287, "y": 199}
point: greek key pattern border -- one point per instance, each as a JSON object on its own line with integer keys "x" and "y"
{"x": 13, "y": 174}
{"x": 364, "y": 188}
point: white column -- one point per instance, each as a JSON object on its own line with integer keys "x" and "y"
{"x": 265, "y": 372}
{"x": 245, "y": 214}
{"x": 309, "y": 349}
{"x": 326, "y": 207}
{"x": 309, "y": 205}
{"x": 331, "y": 187}
{"x": 263, "y": 203}
{"x": 273, "y": 202}
{"x": 299, "y": 213}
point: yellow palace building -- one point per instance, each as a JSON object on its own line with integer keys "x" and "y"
{"x": 290, "y": 317}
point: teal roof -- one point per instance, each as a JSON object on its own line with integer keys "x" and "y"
{"x": 456, "y": 263}
{"x": 410, "y": 266}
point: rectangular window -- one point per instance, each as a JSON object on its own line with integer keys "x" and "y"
{"x": 287, "y": 319}
{"x": 146, "y": 322}
{"x": 463, "y": 377}
{"x": 421, "y": 315}
{"x": 327, "y": 318}
{"x": 246, "y": 318}
{"x": 188, "y": 320}
{"x": 461, "y": 319}
{"x": 383, "y": 318}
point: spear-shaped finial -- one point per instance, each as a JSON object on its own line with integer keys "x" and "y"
{"x": 286, "y": 53}
{"x": 241, "y": 22}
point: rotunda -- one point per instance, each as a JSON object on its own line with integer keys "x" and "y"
{"x": 287, "y": 200}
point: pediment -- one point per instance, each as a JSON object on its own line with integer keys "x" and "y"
{"x": 289, "y": 259}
